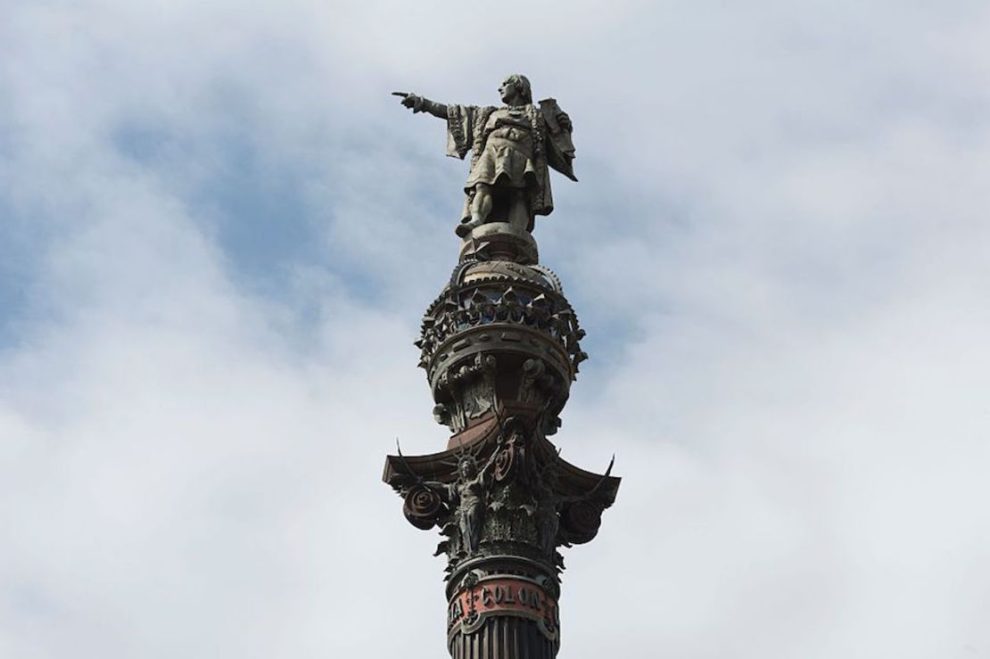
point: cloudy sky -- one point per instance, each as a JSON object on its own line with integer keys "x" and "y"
{"x": 218, "y": 232}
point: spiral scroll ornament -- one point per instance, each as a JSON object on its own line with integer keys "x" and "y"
{"x": 582, "y": 520}
{"x": 505, "y": 463}
{"x": 422, "y": 507}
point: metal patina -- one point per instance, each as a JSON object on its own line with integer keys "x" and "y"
{"x": 501, "y": 347}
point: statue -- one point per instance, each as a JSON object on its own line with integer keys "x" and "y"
{"x": 429, "y": 502}
{"x": 512, "y": 148}
{"x": 470, "y": 490}
{"x": 582, "y": 514}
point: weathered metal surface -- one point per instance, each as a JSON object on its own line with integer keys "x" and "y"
{"x": 512, "y": 146}
{"x": 500, "y": 346}
{"x": 502, "y": 596}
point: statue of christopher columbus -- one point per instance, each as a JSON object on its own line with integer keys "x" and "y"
{"x": 512, "y": 146}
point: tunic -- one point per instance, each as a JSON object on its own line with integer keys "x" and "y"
{"x": 508, "y": 151}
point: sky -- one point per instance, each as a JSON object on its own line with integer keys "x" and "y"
{"x": 218, "y": 232}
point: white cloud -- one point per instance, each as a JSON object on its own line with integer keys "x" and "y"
{"x": 778, "y": 247}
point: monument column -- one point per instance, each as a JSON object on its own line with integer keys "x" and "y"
{"x": 500, "y": 346}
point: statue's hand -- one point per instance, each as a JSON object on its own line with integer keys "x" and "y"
{"x": 418, "y": 103}
{"x": 413, "y": 101}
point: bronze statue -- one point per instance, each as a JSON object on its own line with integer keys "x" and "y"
{"x": 470, "y": 492}
{"x": 512, "y": 147}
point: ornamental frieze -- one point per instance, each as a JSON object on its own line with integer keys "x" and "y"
{"x": 503, "y": 596}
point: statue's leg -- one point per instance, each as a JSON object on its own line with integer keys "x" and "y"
{"x": 519, "y": 211}
{"x": 467, "y": 531}
{"x": 481, "y": 207}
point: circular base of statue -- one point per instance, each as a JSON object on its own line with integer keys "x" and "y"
{"x": 500, "y": 241}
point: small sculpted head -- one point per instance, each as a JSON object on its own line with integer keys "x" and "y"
{"x": 467, "y": 468}
{"x": 516, "y": 90}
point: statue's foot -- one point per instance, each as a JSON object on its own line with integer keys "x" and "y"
{"x": 464, "y": 228}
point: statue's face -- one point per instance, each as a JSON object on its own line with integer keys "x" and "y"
{"x": 467, "y": 469}
{"x": 507, "y": 91}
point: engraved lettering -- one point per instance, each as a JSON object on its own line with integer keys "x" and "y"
{"x": 529, "y": 598}
{"x": 456, "y": 610}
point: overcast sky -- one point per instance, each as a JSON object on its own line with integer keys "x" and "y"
{"x": 218, "y": 232}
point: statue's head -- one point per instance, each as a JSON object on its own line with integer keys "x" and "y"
{"x": 467, "y": 467}
{"x": 516, "y": 88}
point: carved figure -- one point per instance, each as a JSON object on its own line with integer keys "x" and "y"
{"x": 470, "y": 492}
{"x": 581, "y": 513}
{"x": 512, "y": 147}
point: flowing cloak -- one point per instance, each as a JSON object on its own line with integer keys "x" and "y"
{"x": 510, "y": 147}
